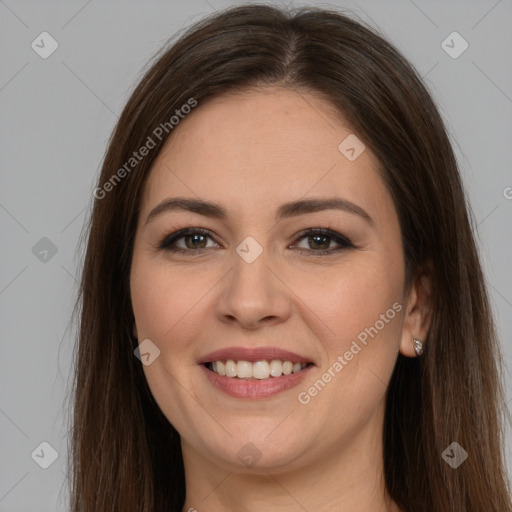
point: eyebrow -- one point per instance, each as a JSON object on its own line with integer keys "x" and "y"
{"x": 286, "y": 210}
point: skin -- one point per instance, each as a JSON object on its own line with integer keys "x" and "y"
{"x": 250, "y": 152}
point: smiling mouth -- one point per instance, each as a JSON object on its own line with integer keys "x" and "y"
{"x": 257, "y": 370}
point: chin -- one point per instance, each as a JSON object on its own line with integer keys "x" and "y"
{"x": 255, "y": 454}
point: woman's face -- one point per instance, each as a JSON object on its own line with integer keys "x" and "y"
{"x": 255, "y": 282}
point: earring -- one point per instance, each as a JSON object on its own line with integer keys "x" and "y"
{"x": 418, "y": 346}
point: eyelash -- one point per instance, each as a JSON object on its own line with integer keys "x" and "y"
{"x": 167, "y": 242}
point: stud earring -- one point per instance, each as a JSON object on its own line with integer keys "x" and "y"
{"x": 418, "y": 346}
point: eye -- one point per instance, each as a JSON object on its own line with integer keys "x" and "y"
{"x": 320, "y": 238}
{"x": 195, "y": 240}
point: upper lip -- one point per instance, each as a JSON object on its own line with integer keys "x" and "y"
{"x": 253, "y": 354}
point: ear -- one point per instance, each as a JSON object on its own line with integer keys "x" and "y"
{"x": 418, "y": 310}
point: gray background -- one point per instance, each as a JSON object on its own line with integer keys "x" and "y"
{"x": 56, "y": 116}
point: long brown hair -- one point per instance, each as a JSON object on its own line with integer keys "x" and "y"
{"x": 125, "y": 456}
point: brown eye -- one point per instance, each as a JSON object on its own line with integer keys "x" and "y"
{"x": 194, "y": 240}
{"x": 320, "y": 239}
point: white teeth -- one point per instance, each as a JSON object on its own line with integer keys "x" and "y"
{"x": 230, "y": 368}
{"x": 258, "y": 370}
{"x": 243, "y": 369}
{"x": 287, "y": 367}
{"x": 276, "y": 368}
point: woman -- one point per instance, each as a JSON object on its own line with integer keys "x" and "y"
{"x": 282, "y": 303}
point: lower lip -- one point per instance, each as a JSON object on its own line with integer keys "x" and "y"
{"x": 255, "y": 389}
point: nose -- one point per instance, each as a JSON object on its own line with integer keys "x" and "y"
{"x": 253, "y": 294}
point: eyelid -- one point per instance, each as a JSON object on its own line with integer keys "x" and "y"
{"x": 343, "y": 241}
{"x": 180, "y": 233}
{"x": 338, "y": 238}
{"x": 327, "y": 231}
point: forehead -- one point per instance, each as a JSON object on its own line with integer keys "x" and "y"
{"x": 262, "y": 147}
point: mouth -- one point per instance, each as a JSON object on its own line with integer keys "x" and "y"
{"x": 258, "y": 370}
{"x": 256, "y": 373}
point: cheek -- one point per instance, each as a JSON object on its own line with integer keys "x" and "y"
{"x": 359, "y": 309}
{"x": 162, "y": 297}
{"x": 358, "y": 313}
{"x": 166, "y": 304}
{"x": 344, "y": 299}
{"x": 352, "y": 297}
